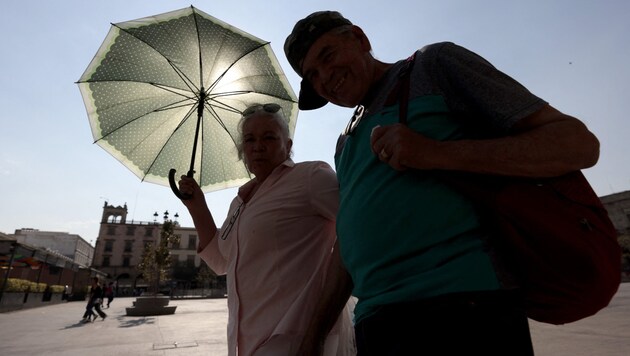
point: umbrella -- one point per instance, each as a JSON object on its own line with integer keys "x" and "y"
{"x": 169, "y": 89}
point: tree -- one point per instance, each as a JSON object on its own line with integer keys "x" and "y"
{"x": 156, "y": 259}
{"x": 206, "y": 278}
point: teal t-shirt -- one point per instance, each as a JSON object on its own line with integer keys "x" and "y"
{"x": 406, "y": 236}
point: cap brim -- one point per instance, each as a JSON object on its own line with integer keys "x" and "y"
{"x": 309, "y": 99}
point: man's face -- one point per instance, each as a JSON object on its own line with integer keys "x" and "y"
{"x": 337, "y": 66}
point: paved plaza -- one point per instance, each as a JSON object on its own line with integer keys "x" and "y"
{"x": 198, "y": 328}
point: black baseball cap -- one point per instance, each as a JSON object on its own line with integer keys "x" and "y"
{"x": 297, "y": 44}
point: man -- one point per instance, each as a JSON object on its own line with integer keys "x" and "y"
{"x": 418, "y": 258}
{"x": 95, "y": 301}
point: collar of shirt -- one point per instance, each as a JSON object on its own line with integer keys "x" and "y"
{"x": 245, "y": 189}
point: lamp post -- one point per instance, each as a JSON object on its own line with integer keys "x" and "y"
{"x": 6, "y": 276}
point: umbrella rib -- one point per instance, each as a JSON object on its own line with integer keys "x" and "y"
{"x": 171, "y": 106}
{"x": 184, "y": 78}
{"x": 168, "y": 88}
{"x": 186, "y": 117}
{"x": 218, "y": 119}
{"x": 198, "y": 46}
{"x": 189, "y": 83}
{"x": 223, "y": 106}
{"x": 233, "y": 63}
{"x": 216, "y": 116}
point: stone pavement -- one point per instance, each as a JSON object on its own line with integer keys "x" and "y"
{"x": 198, "y": 328}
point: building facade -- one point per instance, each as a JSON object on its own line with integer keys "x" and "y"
{"x": 121, "y": 243}
{"x": 70, "y": 245}
{"x": 618, "y": 207}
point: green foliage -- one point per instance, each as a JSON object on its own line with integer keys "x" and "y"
{"x": 55, "y": 288}
{"x": 39, "y": 287}
{"x": 184, "y": 272}
{"x": 205, "y": 276}
{"x": 156, "y": 259}
{"x": 17, "y": 285}
{"x": 22, "y": 285}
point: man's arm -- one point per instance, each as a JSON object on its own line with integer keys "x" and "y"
{"x": 546, "y": 143}
{"x": 336, "y": 291}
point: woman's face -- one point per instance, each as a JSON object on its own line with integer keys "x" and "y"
{"x": 265, "y": 144}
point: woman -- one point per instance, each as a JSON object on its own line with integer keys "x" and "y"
{"x": 276, "y": 244}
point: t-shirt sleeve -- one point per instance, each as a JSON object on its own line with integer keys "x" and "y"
{"x": 324, "y": 190}
{"x": 470, "y": 84}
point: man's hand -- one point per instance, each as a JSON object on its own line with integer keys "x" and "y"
{"x": 401, "y": 147}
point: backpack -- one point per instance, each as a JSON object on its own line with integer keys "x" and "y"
{"x": 553, "y": 234}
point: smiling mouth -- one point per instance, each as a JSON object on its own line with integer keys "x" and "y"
{"x": 339, "y": 83}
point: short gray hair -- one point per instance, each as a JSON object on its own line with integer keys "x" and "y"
{"x": 256, "y": 110}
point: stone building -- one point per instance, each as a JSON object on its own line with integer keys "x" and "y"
{"x": 70, "y": 245}
{"x": 120, "y": 244}
{"x": 618, "y": 206}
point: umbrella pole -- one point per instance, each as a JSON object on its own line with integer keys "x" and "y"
{"x": 202, "y": 100}
{"x": 191, "y": 171}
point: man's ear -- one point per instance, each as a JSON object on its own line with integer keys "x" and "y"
{"x": 363, "y": 39}
{"x": 289, "y": 146}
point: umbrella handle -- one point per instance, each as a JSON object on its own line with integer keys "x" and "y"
{"x": 175, "y": 188}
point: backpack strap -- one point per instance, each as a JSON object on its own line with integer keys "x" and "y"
{"x": 400, "y": 93}
{"x": 402, "y": 89}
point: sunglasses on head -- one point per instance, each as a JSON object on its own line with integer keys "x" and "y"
{"x": 270, "y": 108}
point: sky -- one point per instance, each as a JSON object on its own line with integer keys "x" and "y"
{"x": 572, "y": 53}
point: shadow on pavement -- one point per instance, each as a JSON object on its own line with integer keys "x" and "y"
{"x": 76, "y": 325}
{"x": 126, "y": 322}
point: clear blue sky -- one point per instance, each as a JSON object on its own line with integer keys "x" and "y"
{"x": 573, "y": 53}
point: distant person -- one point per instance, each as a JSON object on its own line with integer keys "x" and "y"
{"x": 109, "y": 293}
{"x": 96, "y": 299}
{"x": 89, "y": 311}
{"x": 276, "y": 244}
{"x": 425, "y": 276}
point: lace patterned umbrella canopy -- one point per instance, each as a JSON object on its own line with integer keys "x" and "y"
{"x": 165, "y": 93}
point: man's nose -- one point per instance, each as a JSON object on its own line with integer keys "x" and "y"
{"x": 325, "y": 75}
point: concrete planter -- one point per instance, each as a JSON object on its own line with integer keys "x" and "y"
{"x": 151, "y": 305}
{"x": 12, "y": 301}
{"x": 32, "y": 300}
{"x": 56, "y": 298}
{"x": 22, "y": 300}
{"x": 218, "y": 293}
